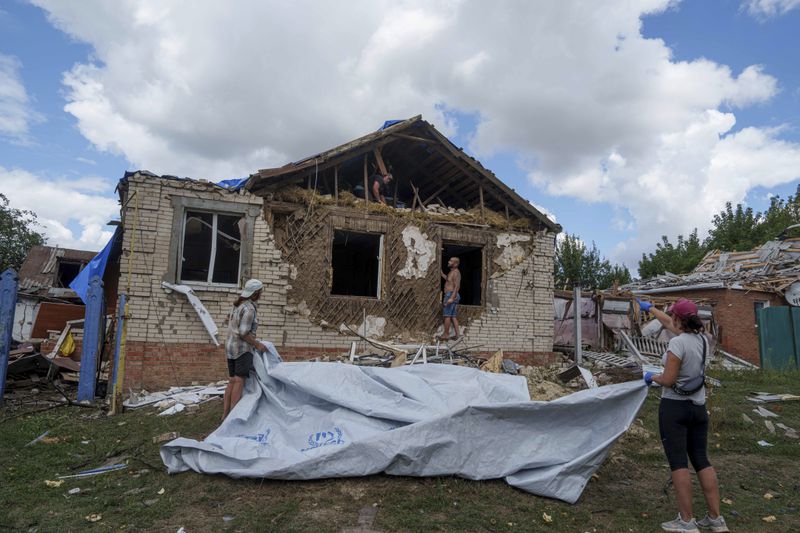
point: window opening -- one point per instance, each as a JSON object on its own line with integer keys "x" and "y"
{"x": 356, "y": 262}
{"x": 759, "y": 304}
{"x": 471, "y": 267}
{"x": 211, "y": 248}
{"x": 67, "y": 271}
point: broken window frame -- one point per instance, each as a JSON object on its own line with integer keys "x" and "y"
{"x": 381, "y": 261}
{"x": 213, "y": 252}
{"x": 182, "y": 204}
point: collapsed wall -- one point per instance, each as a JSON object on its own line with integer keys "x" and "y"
{"x": 297, "y": 251}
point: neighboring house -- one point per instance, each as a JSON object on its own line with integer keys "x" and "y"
{"x": 330, "y": 260}
{"x": 736, "y": 285}
{"x": 45, "y": 300}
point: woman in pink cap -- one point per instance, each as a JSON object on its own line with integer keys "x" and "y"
{"x": 682, "y": 415}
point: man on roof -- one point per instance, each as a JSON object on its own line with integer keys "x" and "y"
{"x": 379, "y": 186}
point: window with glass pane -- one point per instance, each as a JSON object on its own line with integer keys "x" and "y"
{"x": 211, "y": 248}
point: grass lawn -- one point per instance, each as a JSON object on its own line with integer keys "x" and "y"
{"x": 626, "y": 495}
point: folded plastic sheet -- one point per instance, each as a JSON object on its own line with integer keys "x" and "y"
{"x": 327, "y": 420}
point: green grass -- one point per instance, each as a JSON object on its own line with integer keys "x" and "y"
{"x": 626, "y": 495}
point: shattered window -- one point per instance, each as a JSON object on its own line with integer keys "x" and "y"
{"x": 211, "y": 248}
{"x": 356, "y": 263}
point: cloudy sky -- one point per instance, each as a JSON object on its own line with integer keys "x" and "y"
{"x": 625, "y": 119}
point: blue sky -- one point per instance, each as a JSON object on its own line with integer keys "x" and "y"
{"x": 621, "y": 144}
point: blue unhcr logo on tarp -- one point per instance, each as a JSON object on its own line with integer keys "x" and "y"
{"x": 324, "y": 438}
{"x": 260, "y": 438}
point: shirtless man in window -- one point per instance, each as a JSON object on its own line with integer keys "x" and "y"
{"x": 451, "y": 298}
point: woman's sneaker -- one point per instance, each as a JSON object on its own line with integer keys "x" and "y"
{"x": 716, "y": 525}
{"x": 680, "y": 526}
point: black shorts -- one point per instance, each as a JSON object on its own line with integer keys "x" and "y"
{"x": 241, "y": 366}
{"x": 684, "y": 431}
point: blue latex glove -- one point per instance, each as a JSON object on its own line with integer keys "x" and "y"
{"x": 648, "y": 378}
{"x": 644, "y": 306}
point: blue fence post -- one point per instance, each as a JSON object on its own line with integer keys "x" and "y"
{"x": 92, "y": 336}
{"x": 8, "y": 304}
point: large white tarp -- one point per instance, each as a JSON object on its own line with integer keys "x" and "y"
{"x": 323, "y": 420}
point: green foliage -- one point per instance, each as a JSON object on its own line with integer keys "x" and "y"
{"x": 678, "y": 258}
{"x": 576, "y": 263}
{"x": 17, "y": 235}
{"x": 735, "y": 229}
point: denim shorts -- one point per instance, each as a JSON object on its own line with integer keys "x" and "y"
{"x": 451, "y": 309}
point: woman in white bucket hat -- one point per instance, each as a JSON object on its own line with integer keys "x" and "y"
{"x": 242, "y": 325}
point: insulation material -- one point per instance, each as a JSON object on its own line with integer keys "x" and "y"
{"x": 327, "y": 420}
{"x": 421, "y": 253}
{"x": 202, "y": 312}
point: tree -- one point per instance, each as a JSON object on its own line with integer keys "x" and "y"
{"x": 734, "y": 230}
{"x": 678, "y": 258}
{"x": 575, "y": 263}
{"x": 17, "y": 235}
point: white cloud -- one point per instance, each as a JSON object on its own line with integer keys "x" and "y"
{"x": 769, "y": 8}
{"x": 16, "y": 112}
{"x": 87, "y": 202}
{"x": 596, "y": 110}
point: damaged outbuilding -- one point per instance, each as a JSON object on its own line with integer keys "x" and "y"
{"x": 330, "y": 258}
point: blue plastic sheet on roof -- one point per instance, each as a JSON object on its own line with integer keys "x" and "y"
{"x": 233, "y": 184}
{"x": 96, "y": 267}
{"x": 389, "y": 123}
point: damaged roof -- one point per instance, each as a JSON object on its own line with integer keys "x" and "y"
{"x": 421, "y": 157}
{"x": 39, "y": 272}
{"x": 771, "y": 267}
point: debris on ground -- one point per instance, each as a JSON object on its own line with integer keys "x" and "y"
{"x": 765, "y": 413}
{"x": 766, "y": 397}
{"x": 95, "y": 471}
{"x": 38, "y": 439}
{"x": 764, "y": 443}
{"x": 176, "y": 399}
{"x": 164, "y": 437}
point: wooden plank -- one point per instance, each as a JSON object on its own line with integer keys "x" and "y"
{"x": 413, "y": 138}
{"x": 480, "y": 192}
{"x": 416, "y": 198}
{"x": 366, "y": 186}
{"x": 379, "y": 159}
{"x": 336, "y": 184}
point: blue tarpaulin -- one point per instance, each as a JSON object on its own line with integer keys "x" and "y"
{"x": 389, "y": 123}
{"x": 96, "y": 267}
{"x": 233, "y": 184}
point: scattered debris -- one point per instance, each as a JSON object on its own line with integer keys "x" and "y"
{"x": 38, "y": 439}
{"x": 169, "y": 399}
{"x": 770, "y": 426}
{"x": 769, "y": 519}
{"x": 53, "y": 484}
{"x": 764, "y": 443}
{"x": 766, "y": 397}
{"x": 768, "y": 496}
{"x": 727, "y": 501}
{"x": 94, "y": 517}
{"x": 177, "y": 408}
{"x": 547, "y": 518}
{"x": 790, "y": 432}
{"x": 96, "y": 471}
{"x": 228, "y": 518}
{"x": 766, "y": 413}
{"x": 162, "y": 491}
{"x": 747, "y": 419}
{"x": 164, "y": 437}
{"x": 74, "y": 491}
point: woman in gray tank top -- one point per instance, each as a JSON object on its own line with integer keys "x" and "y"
{"x": 682, "y": 415}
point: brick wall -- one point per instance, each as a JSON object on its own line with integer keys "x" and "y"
{"x": 734, "y": 314}
{"x": 167, "y": 344}
{"x": 520, "y": 315}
